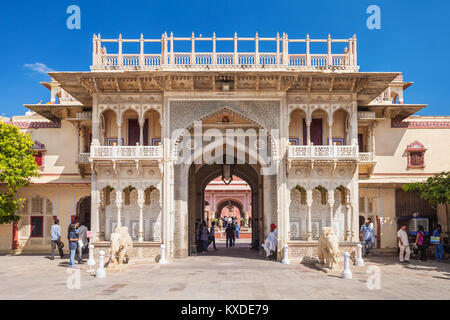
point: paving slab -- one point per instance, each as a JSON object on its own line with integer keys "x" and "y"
{"x": 229, "y": 273}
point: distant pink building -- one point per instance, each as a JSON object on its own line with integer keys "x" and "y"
{"x": 233, "y": 200}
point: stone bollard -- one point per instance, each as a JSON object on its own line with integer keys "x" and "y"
{"x": 285, "y": 255}
{"x": 359, "y": 262}
{"x": 91, "y": 260}
{"x": 346, "y": 273}
{"x": 163, "y": 260}
{"x": 101, "y": 271}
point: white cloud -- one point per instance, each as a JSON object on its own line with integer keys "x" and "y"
{"x": 38, "y": 67}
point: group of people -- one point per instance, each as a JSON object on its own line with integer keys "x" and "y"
{"x": 421, "y": 244}
{"x": 77, "y": 238}
{"x": 204, "y": 236}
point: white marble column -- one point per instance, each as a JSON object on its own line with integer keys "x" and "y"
{"x": 309, "y": 202}
{"x": 119, "y": 132}
{"x": 141, "y": 202}
{"x": 348, "y": 219}
{"x": 330, "y": 131}
{"x": 141, "y": 132}
{"x": 308, "y": 132}
{"x": 119, "y": 204}
{"x": 95, "y": 216}
{"x": 331, "y": 205}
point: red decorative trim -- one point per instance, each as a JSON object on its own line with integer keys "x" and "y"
{"x": 420, "y": 124}
{"x": 35, "y": 124}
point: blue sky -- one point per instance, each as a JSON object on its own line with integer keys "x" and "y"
{"x": 414, "y": 37}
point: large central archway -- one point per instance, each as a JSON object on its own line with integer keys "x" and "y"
{"x": 201, "y": 175}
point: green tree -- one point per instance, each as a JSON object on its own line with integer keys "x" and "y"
{"x": 17, "y": 166}
{"x": 435, "y": 190}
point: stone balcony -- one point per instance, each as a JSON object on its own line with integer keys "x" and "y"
{"x": 330, "y": 153}
{"x": 126, "y": 153}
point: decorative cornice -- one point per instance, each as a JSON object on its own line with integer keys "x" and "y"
{"x": 420, "y": 124}
{"x": 35, "y": 124}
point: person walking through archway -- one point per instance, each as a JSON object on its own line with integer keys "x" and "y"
{"x": 230, "y": 233}
{"x": 212, "y": 235}
{"x": 204, "y": 237}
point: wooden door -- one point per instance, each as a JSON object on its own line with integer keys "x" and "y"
{"x": 133, "y": 132}
{"x": 316, "y": 132}
{"x": 360, "y": 142}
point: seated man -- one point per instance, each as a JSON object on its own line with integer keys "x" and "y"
{"x": 270, "y": 244}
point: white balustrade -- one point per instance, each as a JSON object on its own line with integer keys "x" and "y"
{"x": 224, "y": 58}
{"x": 126, "y": 152}
{"x": 130, "y": 60}
{"x": 267, "y": 58}
{"x": 340, "y": 60}
{"x": 182, "y": 58}
{"x": 327, "y": 152}
{"x": 246, "y": 58}
{"x": 297, "y": 60}
{"x": 203, "y": 58}
{"x": 151, "y": 60}
{"x": 319, "y": 60}
{"x": 279, "y": 59}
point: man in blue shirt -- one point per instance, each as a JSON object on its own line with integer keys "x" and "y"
{"x": 437, "y": 239}
{"x": 55, "y": 234}
{"x": 366, "y": 237}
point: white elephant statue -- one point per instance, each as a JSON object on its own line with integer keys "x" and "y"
{"x": 121, "y": 246}
{"x": 328, "y": 248}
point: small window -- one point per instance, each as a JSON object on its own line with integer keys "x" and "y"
{"x": 416, "y": 155}
{"x": 37, "y": 227}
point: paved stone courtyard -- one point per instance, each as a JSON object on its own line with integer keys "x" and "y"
{"x": 230, "y": 273}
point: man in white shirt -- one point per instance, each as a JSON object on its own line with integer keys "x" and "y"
{"x": 403, "y": 243}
